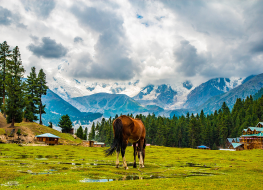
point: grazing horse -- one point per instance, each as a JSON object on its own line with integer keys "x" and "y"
{"x": 127, "y": 129}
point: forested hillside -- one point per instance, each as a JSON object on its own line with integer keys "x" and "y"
{"x": 192, "y": 130}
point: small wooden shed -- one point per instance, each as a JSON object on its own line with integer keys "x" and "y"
{"x": 89, "y": 143}
{"x": 48, "y": 138}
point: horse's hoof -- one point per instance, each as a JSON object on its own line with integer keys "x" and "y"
{"x": 126, "y": 168}
{"x": 141, "y": 166}
{"x": 117, "y": 166}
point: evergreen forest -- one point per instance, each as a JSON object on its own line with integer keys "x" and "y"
{"x": 192, "y": 130}
{"x": 19, "y": 98}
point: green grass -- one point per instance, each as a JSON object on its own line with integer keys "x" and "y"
{"x": 165, "y": 168}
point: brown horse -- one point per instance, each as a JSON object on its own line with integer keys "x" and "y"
{"x": 127, "y": 129}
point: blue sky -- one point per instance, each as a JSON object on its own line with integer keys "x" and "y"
{"x": 153, "y": 41}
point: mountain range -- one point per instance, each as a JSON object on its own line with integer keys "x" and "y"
{"x": 168, "y": 100}
{"x": 55, "y": 107}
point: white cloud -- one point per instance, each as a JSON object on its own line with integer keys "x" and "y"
{"x": 107, "y": 40}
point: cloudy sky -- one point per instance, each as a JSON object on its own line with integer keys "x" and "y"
{"x": 153, "y": 41}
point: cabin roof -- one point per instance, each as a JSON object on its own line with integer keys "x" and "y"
{"x": 245, "y": 130}
{"x": 254, "y": 135}
{"x": 235, "y": 139}
{"x": 230, "y": 139}
{"x": 256, "y": 128}
{"x": 202, "y": 146}
{"x": 235, "y": 145}
{"x": 48, "y": 135}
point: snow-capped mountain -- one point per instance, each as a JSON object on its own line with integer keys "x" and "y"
{"x": 165, "y": 96}
{"x": 178, "y": 95}
{"x": 67, "y": 87}
{"x": 211, "y": 88}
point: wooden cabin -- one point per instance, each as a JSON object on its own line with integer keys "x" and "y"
{"x": 48, "y": 138}
{"x": 252, "y": 141}
{"x": 252, "y": 138}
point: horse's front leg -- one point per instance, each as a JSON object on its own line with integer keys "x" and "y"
{"x": 134, "y": 154}
{"x": 123, "y": 147}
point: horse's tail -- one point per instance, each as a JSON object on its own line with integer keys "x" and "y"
{"x": 117, "y": 141}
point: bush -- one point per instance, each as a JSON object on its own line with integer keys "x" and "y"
{"x": 18, "y": 132}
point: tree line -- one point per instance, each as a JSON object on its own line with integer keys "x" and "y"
{"x": 20, "y": 98}
{"x": 192, "y": 130}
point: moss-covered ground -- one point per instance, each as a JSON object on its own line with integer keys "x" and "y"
{"x": 75, "y": 167}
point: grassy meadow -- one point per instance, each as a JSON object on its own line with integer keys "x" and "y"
{"x": 77, "y": 167}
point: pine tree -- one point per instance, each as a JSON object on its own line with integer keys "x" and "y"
{"x": 41, "y": 90}
{"x": 65, "y": 123}
{"x": 109, "y": 134}
{"x": 14, "y": 88}
{"x": 80, "y": 132}
{"x": 5, "y": 55}
{"x": 85, "y": 133}
{"x": 92, "y": 132}
{"x": 31, "y": 96}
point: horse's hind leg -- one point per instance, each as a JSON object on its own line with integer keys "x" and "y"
{"x": 134, "y": 154}
{"x": 123, "y": 147}
{"x": 117, "y": 160}
{"x": 141, "y": 141}
{"x": 117, "y": 153}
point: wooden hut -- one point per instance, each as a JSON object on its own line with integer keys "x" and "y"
{"x": 48, "y": 138}
{"x": 89, "y": 143}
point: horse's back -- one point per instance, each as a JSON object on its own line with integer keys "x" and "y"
{"x": 133, "y": 129}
